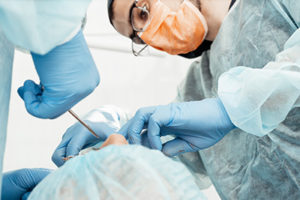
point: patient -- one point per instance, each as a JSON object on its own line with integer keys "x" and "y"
{"x": 114, "y": 171}
{"x": 114, "y": 139}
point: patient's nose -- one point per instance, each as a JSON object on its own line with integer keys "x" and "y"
{"x": 114, "y": 139}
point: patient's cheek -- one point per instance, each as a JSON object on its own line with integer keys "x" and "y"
{"x": 114, "y": 139}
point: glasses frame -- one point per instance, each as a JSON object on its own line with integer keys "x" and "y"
{"x": 136, "y": 30}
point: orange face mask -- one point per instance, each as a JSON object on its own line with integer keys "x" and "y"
{"x": 177, "y": 32}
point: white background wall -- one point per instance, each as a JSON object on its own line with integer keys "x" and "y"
{"x": 126, "y": 81}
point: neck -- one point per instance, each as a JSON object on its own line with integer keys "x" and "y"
{"x": 214, "y": 12}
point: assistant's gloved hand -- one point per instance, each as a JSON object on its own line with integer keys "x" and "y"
{"x": 18, "y": 184}
{"x": 196, "y": 125}
{"x": 67, "y": 73}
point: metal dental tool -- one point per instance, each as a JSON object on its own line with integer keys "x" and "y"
{"x": 83, "y": 123}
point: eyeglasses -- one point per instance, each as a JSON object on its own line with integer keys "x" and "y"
{"x": 139, "y": 19}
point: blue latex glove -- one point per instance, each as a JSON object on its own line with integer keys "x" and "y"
{"x": 78, "y": 137}
{"x": 196, "y": 125}
{"x": 18, "y": 184}
{"x": 67, "y": 73}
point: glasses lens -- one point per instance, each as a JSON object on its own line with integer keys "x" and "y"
{"x": 139, "y": 18}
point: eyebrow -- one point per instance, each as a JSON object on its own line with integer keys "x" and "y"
{"x": 129, "y": 20}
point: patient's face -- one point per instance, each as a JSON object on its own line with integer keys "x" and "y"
{"x": 114, "y": 139}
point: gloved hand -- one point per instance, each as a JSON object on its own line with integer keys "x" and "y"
{"x": 104, "y": 121}
{"x": 67, "y": 75}
{"x": 18, "y": 184}
{"x": 78, "y": 137}
{"x": 196, "y": 125}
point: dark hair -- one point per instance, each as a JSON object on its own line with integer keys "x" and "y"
{"x": 110, "y": 10}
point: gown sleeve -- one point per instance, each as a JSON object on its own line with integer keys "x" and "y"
{"x": 41, "y": 25}
{"x": 257, "y": 100}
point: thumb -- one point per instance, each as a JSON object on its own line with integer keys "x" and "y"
{"x": 29, "y": 85}
{"x": 58, "y": 156}
{"x": 36, "y": 105}
{"x": 60, "y": 153}
{"x": 31, "y": 94}
{"x": 176, "y": 147}
{"x": 132, "y": 138}
{"x": 124, "y": 129}
{"x": 21, "y": 92}
{"x": 75, "y": 146}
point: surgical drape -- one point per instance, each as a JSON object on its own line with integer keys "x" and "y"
{"x": 119, "y": 172}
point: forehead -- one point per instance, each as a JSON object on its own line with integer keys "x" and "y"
{"x": 121, "y": 16}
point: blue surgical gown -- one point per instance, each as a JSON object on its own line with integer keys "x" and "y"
{"x": 254, "y": 67}
{"x": 34, "y": 25}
